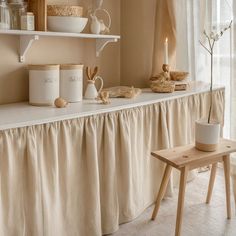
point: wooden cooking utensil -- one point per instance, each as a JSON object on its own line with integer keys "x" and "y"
{"x": 91, "y": 75}
{"x": 88, "y": 72}
{"x": 95, "y": 71}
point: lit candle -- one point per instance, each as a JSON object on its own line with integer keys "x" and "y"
{"x": 166, "y": 52}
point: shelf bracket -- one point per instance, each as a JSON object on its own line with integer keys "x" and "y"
{"x": 25, "y": 44}
{"x": 101, "y": 43}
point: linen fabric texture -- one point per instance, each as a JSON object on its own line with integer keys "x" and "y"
{"x": 85, "y": 176}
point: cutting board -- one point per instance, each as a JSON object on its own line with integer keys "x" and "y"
{"x": 39, "y": 8}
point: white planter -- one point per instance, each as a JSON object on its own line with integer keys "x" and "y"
{"x": 206, "y": 136}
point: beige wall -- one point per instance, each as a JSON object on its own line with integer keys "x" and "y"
{"x": 14, "y": 75}
{"x": 137, "y": 32}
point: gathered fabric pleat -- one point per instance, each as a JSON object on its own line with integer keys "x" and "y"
{"x": 85, "y": 176}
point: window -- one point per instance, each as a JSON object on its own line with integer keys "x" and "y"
{"x": 220, "y": 13}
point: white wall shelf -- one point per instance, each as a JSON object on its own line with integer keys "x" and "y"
{"x": 28, "y": 37}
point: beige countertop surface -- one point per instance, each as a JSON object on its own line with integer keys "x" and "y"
{"x": 17, "y": 115}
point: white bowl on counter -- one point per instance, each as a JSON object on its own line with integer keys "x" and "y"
{"x": 70, "y": 24}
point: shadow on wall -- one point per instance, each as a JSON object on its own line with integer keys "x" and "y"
{"x": 14, "y": 85}
{"x": 137, "y": 39}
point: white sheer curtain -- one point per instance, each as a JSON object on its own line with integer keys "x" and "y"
{"x": 220, "y": 13}
{"x": 233, "y": 92}
{"x": 192, "y": 18}
{"x": 187, "y": 34}
{"x": 233, "y": 80}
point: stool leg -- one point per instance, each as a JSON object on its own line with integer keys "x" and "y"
{"x": 226, "y": 160}
{"x": 162, "y": 190}
{"x": 182, "y": 186}
{"x": 211, "y": 182}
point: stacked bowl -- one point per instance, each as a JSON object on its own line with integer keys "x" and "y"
{"x": 63, "y": 18}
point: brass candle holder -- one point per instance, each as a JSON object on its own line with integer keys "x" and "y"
{"x": 166, "y": 68}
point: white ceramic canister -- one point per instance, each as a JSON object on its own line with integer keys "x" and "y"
{"x": 71, "y": 82}
{"x": 43, "y": 84}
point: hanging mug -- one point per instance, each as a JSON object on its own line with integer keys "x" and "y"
{"x": 91, "y": 91}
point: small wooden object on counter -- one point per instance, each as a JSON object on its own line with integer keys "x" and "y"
{"x": 60, "y": 103}
{"x": 186, "y": 158}
{"x": 182, "y": 86}
{"x": 39, "y": 8}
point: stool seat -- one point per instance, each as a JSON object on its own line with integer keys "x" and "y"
{"x": 186, "y": 158}
{"x": 179, "y": 157}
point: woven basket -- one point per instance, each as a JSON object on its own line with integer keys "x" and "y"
{"x": 178, "y": 75}
{"x": 162, "y": 87}
{"x": 62, "y": 10}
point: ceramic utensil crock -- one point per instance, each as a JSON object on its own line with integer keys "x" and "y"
{"x": 91, "y": 91}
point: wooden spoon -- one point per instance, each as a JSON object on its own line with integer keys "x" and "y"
{"x": 95, "y": 71}
{"x": 88, "y": 72}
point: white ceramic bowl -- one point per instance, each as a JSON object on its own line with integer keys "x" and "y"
{"x": 71, "y": 24}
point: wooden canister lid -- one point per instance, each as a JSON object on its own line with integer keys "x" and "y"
{"x": 71, "y": 66}
{"x": 44, "y": 67}
{"x": 28, "y": 14}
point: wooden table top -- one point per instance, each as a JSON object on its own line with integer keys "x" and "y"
{"x": 179, "y": 157}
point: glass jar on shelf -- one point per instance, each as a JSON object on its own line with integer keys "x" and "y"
{"x": 17, "y": 8}
{"x": 4, "y": 15}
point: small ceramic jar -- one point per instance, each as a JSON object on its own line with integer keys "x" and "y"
{"x": 27, "y": 21}
{"x": 71, "y": 82}
{"x": 43, "y": 84}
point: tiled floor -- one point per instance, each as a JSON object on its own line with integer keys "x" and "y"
{"x": 199, "y": 219}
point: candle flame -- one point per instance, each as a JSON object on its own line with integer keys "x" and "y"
{"x": 166, "y": 40}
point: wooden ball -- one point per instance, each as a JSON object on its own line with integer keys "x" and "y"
{"x": 60, "y": 103}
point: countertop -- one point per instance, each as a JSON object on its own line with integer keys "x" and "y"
{"x": 17, "y": 115}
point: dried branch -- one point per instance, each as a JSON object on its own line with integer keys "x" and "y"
{"x": 212, "y": 38}
{"x": 204, "y": 46}
{"x": 209, "y": 41}
{"x": 213, "y": 44}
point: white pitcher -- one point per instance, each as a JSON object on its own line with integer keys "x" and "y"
{"x": 97, "y": 25}
{"x": 91, "y": 91}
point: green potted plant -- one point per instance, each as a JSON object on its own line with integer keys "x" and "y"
{"x": 207, "y": 133}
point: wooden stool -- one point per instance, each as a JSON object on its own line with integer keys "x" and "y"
{"x": 187, "y": 158}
